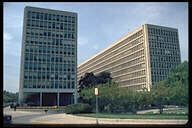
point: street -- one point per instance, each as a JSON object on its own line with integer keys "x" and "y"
{"x": 23, "y": 117}
{"x": 40, "y": 117}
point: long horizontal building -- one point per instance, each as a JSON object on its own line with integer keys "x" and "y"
{"x": 139, "y": 59}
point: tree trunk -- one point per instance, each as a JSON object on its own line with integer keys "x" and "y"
{"x": 160, "y": 109}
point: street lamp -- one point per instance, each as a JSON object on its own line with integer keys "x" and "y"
{"x": 96, "y": 94}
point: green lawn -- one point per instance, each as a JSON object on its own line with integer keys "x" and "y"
{"x": 136, "y": 116}
{"x": 177, "y": 111}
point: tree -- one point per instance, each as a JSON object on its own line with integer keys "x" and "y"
{"x": 9, "y": 96}
{"x": 159, "y": 94}
{"x": 87, "y": 81}
{"x": 178, "y": 74}
{"x": 103, "y": 77}
{"x": 174, "y": 89}
{"x": 90, "y": 80}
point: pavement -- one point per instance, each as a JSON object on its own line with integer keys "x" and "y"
{"x": 70, "y": 119}
{"x": 40, "y": 117}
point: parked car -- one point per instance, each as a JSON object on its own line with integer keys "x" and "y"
{"x": 7, "y": 119}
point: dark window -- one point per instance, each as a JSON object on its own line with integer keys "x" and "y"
{"x": 53, "y": 25}
{"x": 57, "y": 17}
{"x": 45, "y": 16}
{"x": 37, "y": 16}
{"x": 41, "y": 16}
{"x": 28, "y": 22}
{"x": 73, "y": 19}
{"x": 61, "y": 26}
{"x": 28, "y": 14}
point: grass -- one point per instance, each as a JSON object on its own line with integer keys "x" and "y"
{"x": 176, "y": 111}
{"x": 136, "y": 116}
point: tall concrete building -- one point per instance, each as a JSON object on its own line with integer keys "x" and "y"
{"x": 49, "y": 57}
{"x": 139, "y": 59}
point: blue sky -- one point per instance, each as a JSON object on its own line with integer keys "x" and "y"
{"x": 99, "y": 25}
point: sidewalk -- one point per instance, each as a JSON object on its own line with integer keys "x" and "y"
{"x": 70, "y": 119}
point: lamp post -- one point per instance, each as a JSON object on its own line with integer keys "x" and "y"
{"x": 96, "y": 94}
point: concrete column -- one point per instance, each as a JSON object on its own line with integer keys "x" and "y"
{"x": 21, "y": 97}
{"x": 75, "y": 96}
{"x": 41, "y": 98}
{"x": 58, "y": 99}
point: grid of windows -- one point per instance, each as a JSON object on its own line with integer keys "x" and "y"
{"x": 164, "y": 52}
{"x": 49, "y": 54}
{"x": 129, "y": 42}
{"x": 126, "y": 59}
{"x": 121, "y": 61}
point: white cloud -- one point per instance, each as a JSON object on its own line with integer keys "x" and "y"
{"x": 95, "y": 46}
{"x": 7, "y": 36}
{"x": 82, "y": 41}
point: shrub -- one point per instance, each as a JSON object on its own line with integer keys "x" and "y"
{"x": 78, "y": 108}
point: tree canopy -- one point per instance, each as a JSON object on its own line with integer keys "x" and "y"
{"x": 90, "y": 80}
{"x": 9, "y": 96}
{"x": 112, "y": 98}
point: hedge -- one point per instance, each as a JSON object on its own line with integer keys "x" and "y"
{"x": 78, "y": 108}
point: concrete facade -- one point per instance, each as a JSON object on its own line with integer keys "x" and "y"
{"x": 48, "y": 57}
{"x": 139, "y": 59}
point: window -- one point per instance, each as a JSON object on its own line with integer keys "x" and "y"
{"x": 26, "y": 65}
{"x": 33, "y": 14}
{"x": 57, "y": 26}
{"x": 69, "y": 18}
{"x": 33, "y": 22}
{"x": 49, "y": 25}
{"x": 73, "y": 19}
{"x": 27, "y": 48}
{"x": 41, "y": 23}
{"x": 45, "y": 16}
{"x": 41, "y": 16}
{"x": 58, "y": 18}
{"x": 73, "y": 84}
{"x": 26, "y": 74}
{"x": 69, "y": 27}
{"x": 64, "y": 84}
{"x": 50, "y": 17}
{"x": 61, "y": 26}
{"x": 28, "y": 22}
{"x": 65, "y": 35}
{"x": 73, "y": 27}
{"x": 29, "y": 14}
{"x": 37, "y": 16}
{"x": 53, "y": 17}
{"x": 45, "y": 24}
{"x": 61, "y": 18}
{"x": 68, "y": 84}
{"x": 53, "y": 25}
{"x": 65, "y": 19}
{"x": 65, "y": 26}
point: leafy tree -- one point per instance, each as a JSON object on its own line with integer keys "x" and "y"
{"x": 159, "y": 94}
{"x": 87, "y": 81}
{"x": 174, "y": 89}
{"x": 9, "y": 96}
{"x": 112, "y": 98}
{"x": 103, "y": 77}
{"x": 90, "y": 80}
{"x": 178, "y": 74}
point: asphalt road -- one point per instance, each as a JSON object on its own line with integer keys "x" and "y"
{"x": 40, "y": 117}
{"x": 24, "y": 117}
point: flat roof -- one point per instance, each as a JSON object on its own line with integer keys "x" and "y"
{"x": 30, "y": 7}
